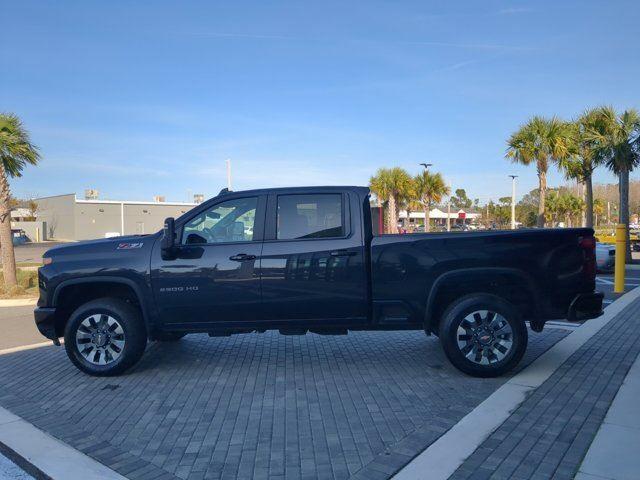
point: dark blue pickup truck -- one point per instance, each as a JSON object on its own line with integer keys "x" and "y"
{"x": 305, "y": 260}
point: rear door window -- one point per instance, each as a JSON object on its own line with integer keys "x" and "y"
{"x": 310, "y": 216}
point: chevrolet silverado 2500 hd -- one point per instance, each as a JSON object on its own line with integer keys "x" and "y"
{"x": 307, "y": 260}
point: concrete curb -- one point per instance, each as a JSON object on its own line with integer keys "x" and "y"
{"x": 17, "y": 302}
{"x": 49, "y": 455}
{"x": 441, "y": 459}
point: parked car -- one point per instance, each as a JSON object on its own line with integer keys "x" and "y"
{"x": 312, "y": 264}
{"x": 605, "y": 257}
{"x": 19, "y": 236}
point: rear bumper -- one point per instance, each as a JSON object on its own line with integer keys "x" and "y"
{"x": 585, "y": 306}
{"x": 46, "y": 322}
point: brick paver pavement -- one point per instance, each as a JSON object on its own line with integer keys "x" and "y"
{"x": 551, "y": 431}
{"x": 255, "y": 406}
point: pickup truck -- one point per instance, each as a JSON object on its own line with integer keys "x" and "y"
{"x": 307, "y": 260}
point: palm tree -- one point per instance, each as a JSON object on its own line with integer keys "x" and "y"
{"x": 392, "y": 186}
{"x": 583, "y": 158}
{"x": 16, "y": 151}
{"x": 540, "y": 141}
{"x": 553, "y": 207}
{"x": 617, "y": 144}
{"x": 598, "y": 209}
{"x": 429, "y": 188}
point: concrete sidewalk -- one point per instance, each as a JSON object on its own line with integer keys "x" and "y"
{"x": 613, "y": 455}
{"x": 551, "y": 433}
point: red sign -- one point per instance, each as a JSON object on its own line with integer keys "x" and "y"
{"x": 462, "y": 215}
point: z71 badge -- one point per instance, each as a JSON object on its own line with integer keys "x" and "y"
{"x": 129, "y": 246}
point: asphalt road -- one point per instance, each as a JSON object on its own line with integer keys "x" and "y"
{"x": 32, "y": 252}
{"x": 18, "y": 327}
{"x": 604, "y": 283}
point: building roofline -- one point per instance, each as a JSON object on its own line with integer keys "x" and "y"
{"x": 133, "y": 202}
{"x": 118, "y": 202}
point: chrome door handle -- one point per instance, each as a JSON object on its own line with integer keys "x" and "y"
{"x": 242, "y": 257}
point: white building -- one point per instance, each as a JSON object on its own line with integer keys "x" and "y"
{"x": 438, "y": 217}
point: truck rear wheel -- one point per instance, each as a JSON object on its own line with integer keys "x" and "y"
{"x": 483, "y": 335}
{"x": 105, "y": 337}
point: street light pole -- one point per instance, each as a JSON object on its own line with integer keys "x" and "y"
{"x": 426, "y": 168}
{"x": 228, "y": 162}
{"x": 513, "y": 201}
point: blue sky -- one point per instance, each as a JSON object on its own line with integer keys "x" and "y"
{"x": 144, "y": 98}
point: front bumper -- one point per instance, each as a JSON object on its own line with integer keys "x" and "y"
{"x": 585, "y": 306}
{"x": 46, "y": 322}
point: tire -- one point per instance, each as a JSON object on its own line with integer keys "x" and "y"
{"x": 483, "y": 335}
{"x": 105, "y": 337}
{"x": 169, "y": 336}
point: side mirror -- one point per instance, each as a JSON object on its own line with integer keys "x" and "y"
{"x": 168, "y": 243}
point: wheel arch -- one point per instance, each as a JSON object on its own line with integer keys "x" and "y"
{"x": 511, "y": 284}
{"x": 72, "y": 293}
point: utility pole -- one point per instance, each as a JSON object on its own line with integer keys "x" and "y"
{"x": 608, "y": 213}
{"x": 513, "y": 201}
{"x": 426, "y": 168}
{"x": 487, "y": 221}
{"x": 228, "y": 174}
{"x": 448, "y": 215}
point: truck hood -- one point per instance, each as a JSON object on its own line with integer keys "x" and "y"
{"x": 129, "y": 242}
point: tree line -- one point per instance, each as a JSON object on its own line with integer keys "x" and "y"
{"x": 599, "y": 137}
{"x": 397, "y": 189}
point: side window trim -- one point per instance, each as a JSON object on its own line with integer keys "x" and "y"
{"x": 271, "y": 221}
{"x": 258, "y": 226}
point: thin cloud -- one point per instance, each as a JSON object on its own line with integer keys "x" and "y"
{"x": 256, "y": 36}
{"x": 471, "y": 46}
{"x": 514, "y": 11}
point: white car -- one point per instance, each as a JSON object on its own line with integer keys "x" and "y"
{"x": 605, "y": 257}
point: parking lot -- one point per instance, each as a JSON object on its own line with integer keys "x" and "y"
{"x": 604, "y": 283}
{"x": 255, "y": 405}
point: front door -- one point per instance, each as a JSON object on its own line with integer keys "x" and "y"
{"x": 313, "y": 259}
{"x": 214, "y": 278}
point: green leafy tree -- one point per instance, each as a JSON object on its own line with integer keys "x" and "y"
{"x": 460, "y": 200}
{"x": 527, "y": 209}
{"x": 393, "y": 187}
{"x": 540, "y": 141}
{"x": 16, "y": 151}
{"x": 429, "y": 188}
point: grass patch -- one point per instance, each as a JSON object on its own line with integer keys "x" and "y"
{"x": 28, "y": 264}
{"x": 27, "y": 285}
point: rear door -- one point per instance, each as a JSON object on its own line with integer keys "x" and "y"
{"x": 312, "y": 264}
{"x": 215, "y": 277}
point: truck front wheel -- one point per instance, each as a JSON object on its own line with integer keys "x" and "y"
{"x": 105, "y": 337}
{"x": 483, "y": 335}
